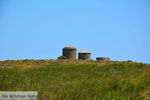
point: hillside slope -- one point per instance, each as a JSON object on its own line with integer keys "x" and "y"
{"x": 77, "y": 80}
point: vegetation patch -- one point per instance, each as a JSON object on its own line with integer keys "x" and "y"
{"x": 77, "y": 80}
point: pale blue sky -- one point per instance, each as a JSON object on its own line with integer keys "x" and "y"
{"x": 39, "y": 29}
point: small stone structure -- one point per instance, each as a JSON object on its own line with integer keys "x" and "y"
{"x": 69, "y": 52}
{"x": 103, "y": 59}
{"x": 84, "y": 55}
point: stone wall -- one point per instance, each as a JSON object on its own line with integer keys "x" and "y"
{"x": 69, "y": 53}
{"x": 84, "y": 56}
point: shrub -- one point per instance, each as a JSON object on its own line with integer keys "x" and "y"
{"x": 62, "y": 57}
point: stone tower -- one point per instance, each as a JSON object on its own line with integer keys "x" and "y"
{"x": 84, "y": 55}
{"x": 69, "y": 52}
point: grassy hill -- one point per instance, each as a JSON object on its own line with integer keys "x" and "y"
{"x": 77, "y": 80}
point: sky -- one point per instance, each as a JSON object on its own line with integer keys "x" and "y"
{"x": 39, "y": 29}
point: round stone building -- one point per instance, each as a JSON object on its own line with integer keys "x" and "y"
{"x": 69, "y": 52}
{"x": 84, "y": 55}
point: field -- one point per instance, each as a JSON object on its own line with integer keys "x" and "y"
{"x": 77, "y": 80}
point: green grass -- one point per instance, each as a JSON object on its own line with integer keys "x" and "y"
{"x": 92, "y": 81}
